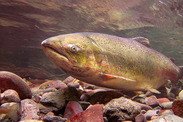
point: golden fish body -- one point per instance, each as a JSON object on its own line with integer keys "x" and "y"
{"x": 111, "y": 61}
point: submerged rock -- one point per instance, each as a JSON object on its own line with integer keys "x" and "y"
{"x": 10, "y": 80}
{"x": 10, "y": 96}
{"x": 177, "y": 107}
{"x": 93, "y": 113}
{"x": 121, "y": 109}
{"x": 29, "y": 110}
{"x": 151, "y": 101}
{"x": 14, "y": 113}
{"x": 72, "y": 109}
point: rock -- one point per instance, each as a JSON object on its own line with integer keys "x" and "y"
{"x": 10, "y": 96}
{"x": 143, "y": 106}
{"x": 14, "y": 111}
{"x": 93, "y": 113}
{"x": 140, "y": 118}
{"x": 151, "y": 101}
{"x": 166, "y": 105}
{"x": 68, "y": 80}
{"x": 180, "y": 96}
{"x": 49, "y": 118}
{"x": 72, "y": 109}
{"x": 57, "y": 84}
{"x": 103, "y": 96}
{"x": 167, "y": 118}
{"x": 75, "y": 85}
{"x": 56, "y": 99}
{"x": 10, "y": 80}
{"x": 121, "y": 109}
{"x": 166, "y": 112}
{"x": 151, "y": 113}
{"x": 46, "y": 109}
{"x": 29, "y": 110}
{"x": 162, "y": 100}
{"x": 84, "y": 104}
{"x": 177, "y": 107}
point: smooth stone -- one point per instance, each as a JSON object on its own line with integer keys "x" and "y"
{"x": 121, "y": 109}
{"x": 75, "y": 85}
{"x": 166, "y": 112}
{"x": 72, "y": 109}
{"x": 162, "y": 100}
{"x": 55, "y": 99}
{"x": 177, "y": 107}
{"x": 29, "y": 110}
{"x": 10, "y": 96}
{"x": 14, "y": 111}
{"x": 151, "y": 101}
{"x": 93, "y": 113}
{"x": 167, "y": 105}
{"x": 10, "y": 80}
{"x": 46, "y": 109}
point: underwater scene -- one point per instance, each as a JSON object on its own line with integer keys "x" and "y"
{"x": 91, "y": 60}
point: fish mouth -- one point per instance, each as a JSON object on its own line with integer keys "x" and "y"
{"x": 50, "y": 47}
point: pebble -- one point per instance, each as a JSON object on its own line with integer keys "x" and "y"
{"x": 93, "y": 113}
{"x": 166, "y": 105}
{"x": 72, "y": 109}
{"x": 162, "y": 100}
{"x": 177, "y": 107}
{"x": 29, "y": 110}
{"x": 140, "y": 118}
{"x": 10, "y": 80}
{"x": 121, "y": 109}
{"x": 151, "y": 113}
{"x": 56, "y": 99}
{"x": 14, "y": 108}
{"x": 151, "y": 101}
{"x": 10, "y": 96}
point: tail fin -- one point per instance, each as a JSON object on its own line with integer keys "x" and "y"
{"x": 181, "y": 72}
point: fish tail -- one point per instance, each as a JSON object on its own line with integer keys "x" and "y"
{"x": 181, "y": 72}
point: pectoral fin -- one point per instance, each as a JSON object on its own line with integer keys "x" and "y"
{"x": 109, "y": 77}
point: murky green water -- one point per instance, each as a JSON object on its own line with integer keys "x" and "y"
{"x": 24, "y": 24}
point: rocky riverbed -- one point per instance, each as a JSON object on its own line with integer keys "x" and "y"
{"x": 75, "y": 101}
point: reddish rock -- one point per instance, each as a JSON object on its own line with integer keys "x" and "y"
{"x": 29, "y": 110}
{"x": 94, "y": 113}
{"x": 72, "y": 109}
{"x": 10, "y": 80}
{"x": 151, "y": 101}
{"x": 177, "y": 107}
{"x": 162, "y": 100}
{"x": 68, "y": 80}
{"x": 10, "y": 96}
{"x": 140, "y": 118}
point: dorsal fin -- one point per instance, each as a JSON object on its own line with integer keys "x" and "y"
{"x": 143, "y": 41}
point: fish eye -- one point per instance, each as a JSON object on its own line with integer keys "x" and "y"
{"x": 73, "y": 48}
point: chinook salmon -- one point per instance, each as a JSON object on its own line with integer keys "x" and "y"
{"x": 111, "y": 61}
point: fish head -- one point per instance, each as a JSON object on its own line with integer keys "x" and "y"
{"x": 75, "y": 54}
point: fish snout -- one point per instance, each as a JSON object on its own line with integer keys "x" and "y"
{"x": 45, "y": 43}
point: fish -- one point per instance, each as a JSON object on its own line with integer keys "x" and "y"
{"x": 128, "y": 64}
